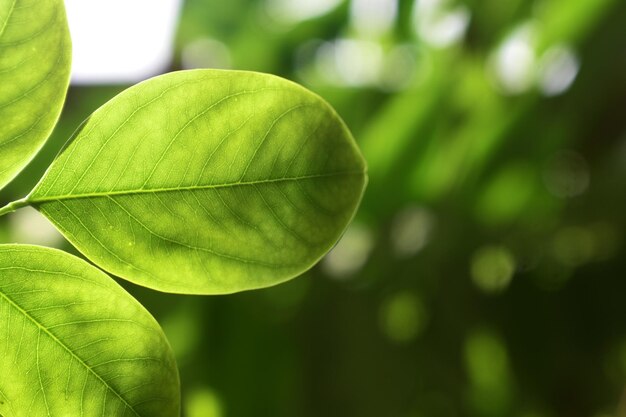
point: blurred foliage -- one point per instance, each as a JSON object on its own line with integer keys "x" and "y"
{"x": 485, "y": 274}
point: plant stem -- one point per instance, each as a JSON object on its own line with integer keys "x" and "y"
{"x": 11, "y": 207}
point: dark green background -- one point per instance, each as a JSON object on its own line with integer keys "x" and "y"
{"x": 513, "y": 301}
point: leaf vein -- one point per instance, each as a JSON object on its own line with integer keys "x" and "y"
{"x": 35, "y": 200}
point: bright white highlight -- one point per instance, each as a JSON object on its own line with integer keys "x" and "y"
{"x": 349, "y": 62}
{"x": 439, "y": 26}
{"x": 119, "y": 41}
{"x": 514, "y": 63}
{"x": 372, "y": 18}
{"x": 295, "y": 11}
{"x": 558, "y": 69}
{"x": 206, "y": 53}
{"x": 411, "y": 230}
{"x": 351, "y": 252}
{"x": 28, "y": 226}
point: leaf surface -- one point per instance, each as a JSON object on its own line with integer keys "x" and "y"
{"x": 35, "y": 60}
{"x": 206, "y": 182}
{"x": 74, "y": 343}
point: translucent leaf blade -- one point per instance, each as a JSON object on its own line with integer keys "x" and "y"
{"x": 35, "y": 60}
{"x": 74, "y": 343}
{"x": 206, "y": 182}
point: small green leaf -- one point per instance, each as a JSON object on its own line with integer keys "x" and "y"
{"x": 206, "y": 182}
{"x": 35, "y": 59}
{"x": 74, "y": 343}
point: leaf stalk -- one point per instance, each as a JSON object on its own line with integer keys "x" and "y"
{"x": 11, "y": 207}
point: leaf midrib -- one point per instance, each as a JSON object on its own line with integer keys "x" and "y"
{"x": 44, "y": 199}
{"x": 67, "y": 349}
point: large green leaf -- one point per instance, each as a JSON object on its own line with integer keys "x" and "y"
{"x": 74, "y": 343}
{"x": 206, "y": 182}
{"x": 35, "y": 59}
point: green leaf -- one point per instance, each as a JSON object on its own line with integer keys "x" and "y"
{"x": 206, "y": 182}
{"x": 74, "y": 343}
{"x": 35, "y": 59}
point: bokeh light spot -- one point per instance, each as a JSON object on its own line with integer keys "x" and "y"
{"x": 296, "y": 11}
{"x": 513, "y": 65}
{"x": 183, "y": 329}
{"x": 558, "y": 69}
{"x": 507, "y": 194}
{"x": 487, "y": 365}
{"x": 351, "y": 252}
{"x": 411, "y": 230}
{"x": 206, "y": 53}
{"x": 203, "y": 402}
{"x": 403, "y": 317}
{"x": 492, "y": 268}
{"x": 438, "y": 25}
{"x": 350, "y": 62}
{"x": 373, "y": 18}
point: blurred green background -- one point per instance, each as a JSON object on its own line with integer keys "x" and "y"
{"x": 485, "y": 274}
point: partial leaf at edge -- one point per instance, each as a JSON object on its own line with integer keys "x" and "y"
{"x": 74, "y": 343}
{"x": 206, "y": 182}
{"x": 35, "y": 60}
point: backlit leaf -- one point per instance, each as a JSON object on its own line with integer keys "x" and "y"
{"x": 74, "y": 343}
{"x": 206, "y": 182}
